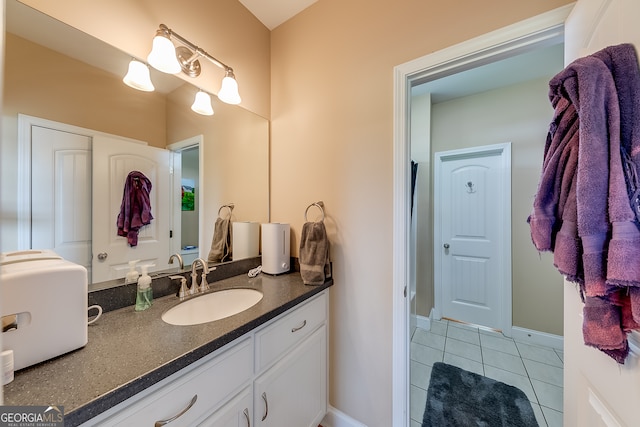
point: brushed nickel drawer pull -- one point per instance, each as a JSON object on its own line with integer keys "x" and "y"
{"x": 246, "y": 415}
{"x": 167, "y": 421}
{"x": 299, "y": 327}
{"x": 266, "y": 406}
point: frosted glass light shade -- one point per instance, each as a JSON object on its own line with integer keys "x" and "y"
{"x": 202, "y": 104}
{"x": 163, "y": 56}
{"x": 138, "y": 77}
{"x": 229, "y": 91}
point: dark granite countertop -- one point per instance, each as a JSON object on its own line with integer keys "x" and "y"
{"x": 129, "y": 351}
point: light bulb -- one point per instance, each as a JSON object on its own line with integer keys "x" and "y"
{"x": 229, "y": 90}
{"x": 202, "y": 104}
{"x": 163, "y": 55}
{"x": 138, "y": 76}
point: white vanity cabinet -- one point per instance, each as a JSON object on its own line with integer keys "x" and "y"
{"x": 293, "y": 392}
{"x": 291, "y": 363}
{"x": 275, "y": 375}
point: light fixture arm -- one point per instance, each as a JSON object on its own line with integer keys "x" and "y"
{"x": 197, "y": 51}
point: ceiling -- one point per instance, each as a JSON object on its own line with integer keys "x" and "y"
{"x": 274, "y": 12}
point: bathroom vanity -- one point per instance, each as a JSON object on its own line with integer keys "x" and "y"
{"x": 265, "y": 366}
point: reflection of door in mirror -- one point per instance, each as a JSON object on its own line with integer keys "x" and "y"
{"x": 61, "y": 194}
{"x": 186, "y": 199}
{"x": 62, "y": 164}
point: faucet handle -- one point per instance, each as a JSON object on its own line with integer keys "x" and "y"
{"x": 183, "y": 292}
{"x": 204, "y": 286}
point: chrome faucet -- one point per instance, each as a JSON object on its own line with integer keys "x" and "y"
{"x": 204, "y": 286}
{"x": 179, "y": 260}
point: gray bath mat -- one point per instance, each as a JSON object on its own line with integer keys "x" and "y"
{"x": 458, "y": 398}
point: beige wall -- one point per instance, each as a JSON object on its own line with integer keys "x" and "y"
{"x": 421, "y": 153}
{"x": 332, "y": 140}
{"x": 519, "y": 114}
{"x": 223, "y": 28}
{"x": 43, "y": 83}
{"x": 235, "y": 153}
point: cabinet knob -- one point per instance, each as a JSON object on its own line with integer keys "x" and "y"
{"x": 446, "y": 246}
{"x": 102, "y": 256}
{"x": 175, "y": 417}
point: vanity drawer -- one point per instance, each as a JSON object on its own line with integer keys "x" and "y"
{"x": 274, "y": 340}
{"x": 213, "y": 382}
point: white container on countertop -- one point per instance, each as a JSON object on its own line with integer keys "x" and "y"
{"x": 276, "y": 253}
{"x": 43, "y": 301}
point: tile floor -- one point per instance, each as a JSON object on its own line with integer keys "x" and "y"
{"x": 535, "y": 370}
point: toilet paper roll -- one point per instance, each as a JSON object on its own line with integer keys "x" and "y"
{"x": 245, "y": 240}
{"x": 275, "y": 248}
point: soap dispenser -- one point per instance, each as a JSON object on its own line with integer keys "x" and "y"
{"x": 144, "y": 296}
{"x": 132, "y": 274}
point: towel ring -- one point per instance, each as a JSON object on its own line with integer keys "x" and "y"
{"x": 230, "y": 206}
{"x": 319, "y": 205}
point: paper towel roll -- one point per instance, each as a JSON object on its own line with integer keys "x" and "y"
{"x": 245, "y": 242}
{"x": 275, "y": 248}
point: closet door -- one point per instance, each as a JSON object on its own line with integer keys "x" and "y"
{"x": 597, "y": 390}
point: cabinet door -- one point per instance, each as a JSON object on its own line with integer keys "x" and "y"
{"x": 294, "y": 391}
{"x": 236, "y": 413}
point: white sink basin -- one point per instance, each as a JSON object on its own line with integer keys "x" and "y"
{"x": 213, "y": 306}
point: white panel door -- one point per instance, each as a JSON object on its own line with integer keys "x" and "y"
{"x": 470, "y": 208}
{"x": 598, "y": 391}
{"x": 61, "y": 194}
{"x": 114, "y": 158}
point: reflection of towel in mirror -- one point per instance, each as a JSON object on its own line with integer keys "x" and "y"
{"x": 135, "y": 210}
{"x": 221, "y": 243}
{"x": 314, "y": 254}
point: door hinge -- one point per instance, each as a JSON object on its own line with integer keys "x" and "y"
{"x": 405, "y": 291}
{"x": 170, "y": 234}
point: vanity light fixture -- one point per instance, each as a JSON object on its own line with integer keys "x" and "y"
{"x": 169, "y": 59}
{"x": 202, "y": 104}
{"x": 138, "y": 76}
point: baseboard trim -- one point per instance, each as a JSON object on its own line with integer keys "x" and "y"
{"x": 423, "y": 322}
{"x": 535, "y": 337}
{"x": 336, "y": 418}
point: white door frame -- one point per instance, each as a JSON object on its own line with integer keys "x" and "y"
{"x": 194, "y": 141}
{"x": 504, "y": 151}
{"x": 508, "y": 41}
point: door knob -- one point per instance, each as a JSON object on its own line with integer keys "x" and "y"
{"x": 446, "y": 246}
{"x": 102, "y": 256}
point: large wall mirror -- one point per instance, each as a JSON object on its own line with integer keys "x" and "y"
{"x": 56, "y": 75}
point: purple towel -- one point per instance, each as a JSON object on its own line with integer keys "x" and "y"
{"x": 584, "y": 208}
{"x": 135, "y": 209}
{"x": 624, "y": 248}
{"x": 601, "y": 328}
